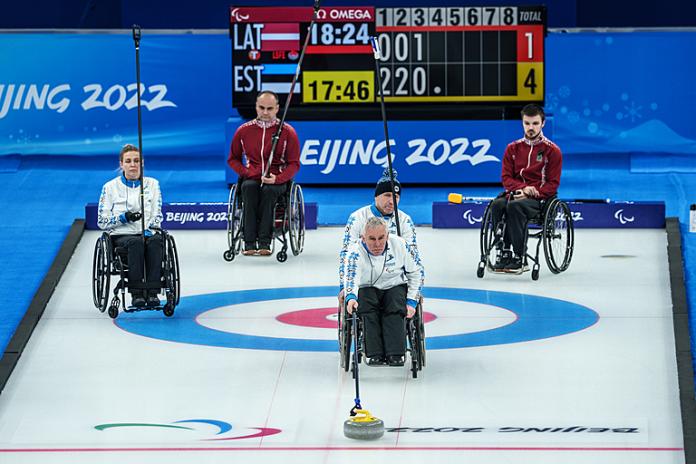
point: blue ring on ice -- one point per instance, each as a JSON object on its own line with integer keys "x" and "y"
{"x": 538, "y": 317}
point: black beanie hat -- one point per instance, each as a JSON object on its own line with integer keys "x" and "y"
{"x": 384, "y": 184}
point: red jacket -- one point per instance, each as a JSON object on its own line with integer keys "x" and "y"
{"x": 537, "y": 164}
{"x": 253, "y": 138}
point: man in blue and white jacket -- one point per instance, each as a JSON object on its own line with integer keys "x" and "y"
{"x": 383, "y": 207}
{"x": 383, "y": 281}
{"x": 119, "y": 212}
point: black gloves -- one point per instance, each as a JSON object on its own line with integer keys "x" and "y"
{"x": 132, "y": 217}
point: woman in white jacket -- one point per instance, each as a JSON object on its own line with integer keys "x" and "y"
{"x": 120, "y": 213}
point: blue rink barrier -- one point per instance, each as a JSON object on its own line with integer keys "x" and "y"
{"x": 196, "y": 216}
{"x": 626, "y": 214}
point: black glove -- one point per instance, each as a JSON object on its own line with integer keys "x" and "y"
{"x": 132, "y": 217}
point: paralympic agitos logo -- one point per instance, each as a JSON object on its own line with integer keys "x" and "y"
{"x": 222, "y": 431}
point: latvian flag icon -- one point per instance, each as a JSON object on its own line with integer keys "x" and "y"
{"x": 280, "y": 37}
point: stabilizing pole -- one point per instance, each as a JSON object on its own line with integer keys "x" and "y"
{"x": 276, "y": 135}
{"x": 377, "y": 54}
{"x": 136, "y": 40}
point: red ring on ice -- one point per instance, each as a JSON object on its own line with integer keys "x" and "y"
{"x": 323, "y": 318}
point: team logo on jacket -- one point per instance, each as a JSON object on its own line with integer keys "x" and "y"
{"x": 540, "y": 156}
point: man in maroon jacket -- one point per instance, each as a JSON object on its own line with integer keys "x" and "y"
{"x": 531, "y": 173}
{"x": 250, "y": 156}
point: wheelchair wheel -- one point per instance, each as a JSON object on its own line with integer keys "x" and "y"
{"x": 234, "y": 224}
{"x": 344, "y": 338}
{"x": 558, "y": 236}
{"x": 113, "y": 307}
{"x": 296, "y": 220}
{"x": 487, "y": 242}
{"x": 171, "y": 272}
{"x": 421, "y": 334}
{"x": 416, "y": 339}
{"x": 168, "y": 309}
{"x": 101, "y": 272}
{"x": 411, "y": 331}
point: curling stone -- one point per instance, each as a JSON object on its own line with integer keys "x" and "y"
{"x": 363, "y": 426}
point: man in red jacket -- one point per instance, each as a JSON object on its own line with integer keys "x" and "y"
{"x": 531, "y": 173}
{"x": 250, "y": 157}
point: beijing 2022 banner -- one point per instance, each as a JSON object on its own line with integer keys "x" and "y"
{"x": 75, "y": 93}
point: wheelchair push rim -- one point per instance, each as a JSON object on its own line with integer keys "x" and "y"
{"x": 101, "y": 273}
{"x": 234, "y": 223}
{"x": 487, "y": 241}
{"x": 296, "y": 219}
{"x": 559, "y": 236}
{"x": 344, "y": 337}
{"x": 171, "y": 272}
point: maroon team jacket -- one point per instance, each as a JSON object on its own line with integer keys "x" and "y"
{"x": 537, "y": 164}
{"x": 253, "y": 140}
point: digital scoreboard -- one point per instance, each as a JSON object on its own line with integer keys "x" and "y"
{"x": 431, "y": 57}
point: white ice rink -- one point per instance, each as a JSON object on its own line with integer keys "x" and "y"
{"x": 574, "y": 368}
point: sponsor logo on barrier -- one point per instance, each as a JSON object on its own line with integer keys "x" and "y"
{"x": 575, "y": 215}
{"x": 330, "y": 153}
{"x": 32, "y": 96}
{"x": 565, "y": 429}
{"x": 619, "y": 215}
{"x": 192, "y": 216}
{"x": 470, "y": 218}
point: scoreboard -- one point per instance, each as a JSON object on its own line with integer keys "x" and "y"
{"x": 431, "y": 57}
{"x": 466, "y": 54}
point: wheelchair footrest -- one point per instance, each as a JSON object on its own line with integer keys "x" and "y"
{"x": 134, "y": 309}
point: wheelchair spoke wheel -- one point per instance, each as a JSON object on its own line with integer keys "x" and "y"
{"x": 296, "y": 219}
{"x": 558, "y": 236}
{"x": 421, "y": 334}
{"x": 413, "y": 346}
{"x": 344, "y": 339}
{"x": 172, "y": 277}
{"x": 488, "y": 242}
{"x": 234, "y": 224}
{"x": 101, "y": 273}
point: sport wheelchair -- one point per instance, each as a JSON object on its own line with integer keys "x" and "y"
{"x": 109, "y": 261}
{"x": 415, "y": 337}
{"x": 553, "y": 226}
{"x": 288, "y": 219}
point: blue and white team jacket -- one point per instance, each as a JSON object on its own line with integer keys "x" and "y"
{"x": 399, "y": 264}
{"x": 356, "y": 224}
{"x": 120, "y": 195}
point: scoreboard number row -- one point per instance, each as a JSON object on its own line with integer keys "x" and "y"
{"x": 453, "y": 16}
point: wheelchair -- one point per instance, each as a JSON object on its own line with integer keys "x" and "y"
{"x": 109, "y": 261}
{"x": 553, "y": 227}
{"x": 415, "y": 338}
{"x": 288, "y": 222}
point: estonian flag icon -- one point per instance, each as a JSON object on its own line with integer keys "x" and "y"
{"x": 278, "y": 77}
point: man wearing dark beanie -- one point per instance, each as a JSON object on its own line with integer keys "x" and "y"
{"x": 384, "y": 186}
{"x": 383, "y": 207}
